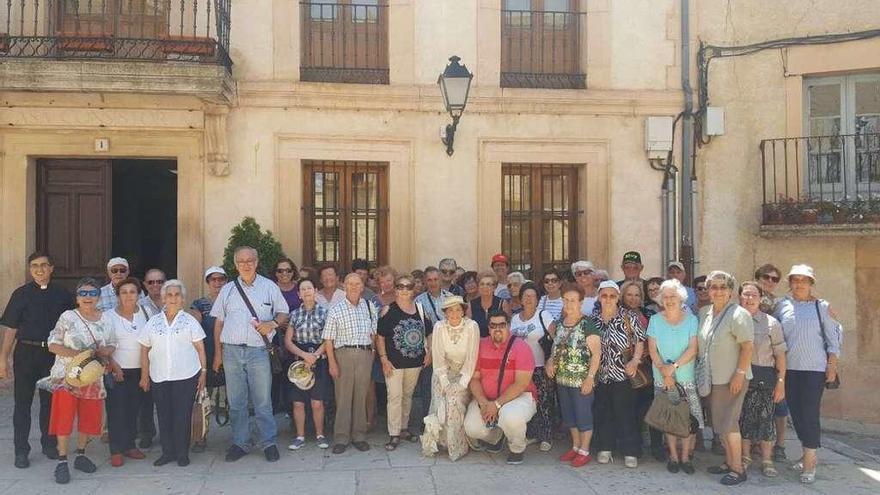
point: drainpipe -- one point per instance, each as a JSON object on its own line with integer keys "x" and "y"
{"x": 687, "y": 135}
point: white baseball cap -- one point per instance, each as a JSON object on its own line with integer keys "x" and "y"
{"x": 609, "y": 284}
{"x": 214, "y": 269}
{"x": 117, "y": 261}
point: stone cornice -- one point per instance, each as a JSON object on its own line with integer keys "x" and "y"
{"x": 275, "y": 94}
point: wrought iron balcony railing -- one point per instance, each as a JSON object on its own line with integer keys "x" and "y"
{"x": 541, "y": 49}
{"x": 821, "y": 179}
{"x": 141, "y": 30}
{"x": 344, "y": 42}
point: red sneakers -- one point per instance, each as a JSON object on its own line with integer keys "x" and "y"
{"x": 581, "y": 460}
{"x": 134, "y": 454}
{"x": 568, "y": 456}
{"x": 116, "y": 460}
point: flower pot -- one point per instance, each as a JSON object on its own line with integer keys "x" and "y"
{"x": 74, "y": 42}
{"x": 809, "y": 216}
{"x": 189, "y": 45}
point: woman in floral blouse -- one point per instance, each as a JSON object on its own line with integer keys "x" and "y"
{"x": 617, "y": 421}
{"x": 77, "y": 330}
{"x": 574, "y": 362}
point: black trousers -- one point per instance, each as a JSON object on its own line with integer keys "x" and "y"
{"x": 29, "y": 364}
{"x": 123, "y": 403}
{"x": 146, "y": 420}
{"x": 174, "y": 404}
{"x": 644, "y": 399}
{"x": 803, "y": 392}
{"x": 615, "y": 419}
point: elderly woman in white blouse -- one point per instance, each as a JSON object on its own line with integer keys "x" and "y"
{"x": 454, "y": 345}
{"x": 173, "y": 367}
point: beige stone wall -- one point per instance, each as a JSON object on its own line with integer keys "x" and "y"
{"x": 762, "y": 98}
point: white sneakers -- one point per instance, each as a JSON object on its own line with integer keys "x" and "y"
{"x": 545, "y": 447}
{"x": 630, "y": 462}
{"x": 604, "y": 457}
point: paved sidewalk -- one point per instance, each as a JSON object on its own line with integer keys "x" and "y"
{"x": 314, "y": 472}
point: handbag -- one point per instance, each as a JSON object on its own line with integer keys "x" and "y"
{"x": 220, "y": 406}
{"x": 272, "y": 349}
{"x": 201, "y": 417}
{"x": 670, "y": 414}
{"x": 764, "y": 376}
{"x": 836, "y": 383}
{"x": 546, "y": 341}
{"x": 704, "y": 368}
{"x": 644, "y": 375}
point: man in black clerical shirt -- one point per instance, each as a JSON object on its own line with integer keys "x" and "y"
{"x": 31, "y": 313}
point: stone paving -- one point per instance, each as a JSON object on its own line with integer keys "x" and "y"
{"x": 313, "y": 471}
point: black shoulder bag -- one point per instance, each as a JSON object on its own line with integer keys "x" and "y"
{"x": 836, "y": 383}
{"x": 546, "y": 341}
{"x": 272, "y": 349}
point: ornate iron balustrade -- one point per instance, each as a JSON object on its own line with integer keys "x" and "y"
{"x": 141, "y": 30}
{"x": 541, "y": 49}
{"x": 821, "y": 179}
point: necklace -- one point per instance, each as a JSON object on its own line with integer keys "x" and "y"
{"x": 455, "y": 332}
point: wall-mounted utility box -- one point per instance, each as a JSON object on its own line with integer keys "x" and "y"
{"x": 714, "y": 121}
{"x": 658, "y": 136}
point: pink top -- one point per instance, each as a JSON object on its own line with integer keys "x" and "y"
{"x": 489, "y": 363}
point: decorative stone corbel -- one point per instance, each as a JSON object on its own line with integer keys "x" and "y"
{"x": 216, "y": 148}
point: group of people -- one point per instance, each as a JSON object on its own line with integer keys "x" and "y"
{"x": 498, "y": 359}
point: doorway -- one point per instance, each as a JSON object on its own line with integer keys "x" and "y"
{"x": 91, "y": 210}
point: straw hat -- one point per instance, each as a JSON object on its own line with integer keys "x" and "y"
{"x": 300, "y": 375}
{"x": 83, "y": 369}
{"x": 452, "y": 301}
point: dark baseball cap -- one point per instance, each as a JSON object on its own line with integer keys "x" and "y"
{"x": 632, "y": 257}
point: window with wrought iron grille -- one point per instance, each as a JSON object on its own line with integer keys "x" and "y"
{"x": 344, "y": 41}
{"x": 539, "y": 217}
{"x": 345, "y": 205}
{"x": 540, "y": 44}
{"x": 843, "y": 147}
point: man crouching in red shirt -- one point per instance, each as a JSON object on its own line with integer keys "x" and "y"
{"x": 504, "y": 395}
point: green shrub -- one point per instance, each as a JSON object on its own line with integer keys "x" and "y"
{"x": 249, "y": 233}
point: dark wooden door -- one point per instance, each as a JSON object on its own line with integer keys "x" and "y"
{"x": 74, "y": 217}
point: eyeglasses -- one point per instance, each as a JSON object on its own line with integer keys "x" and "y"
{"x": 487, "y": 284}
{"x": 154, "y": 282}
{"x": 551, "y": 280}
{"x": 246, "y": 262}
{"x": 700, "y": 288}
{"x": 771, "y": 278}
{"x": 118, "y": 270}
{"x": 447, "y": 272}
{"x": 718, "y": 287}
{"x": 284, "y": 270}
{"x": 217, "y": 279}
{"x": 496, "y": 326}
{"x": 88, "y": 292}
{"x": 582, "y": 273}
{"x": 405, "y": 286}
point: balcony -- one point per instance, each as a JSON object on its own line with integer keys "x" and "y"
{"x": 829, "y": 182}
{"x": 344, "y": 42}
{"x": 116, "y": 45}
{"x": 541, "y": 49}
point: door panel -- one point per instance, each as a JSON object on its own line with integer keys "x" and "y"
{"x": 73, "y": 216}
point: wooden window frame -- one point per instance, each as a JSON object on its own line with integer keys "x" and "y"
{"x": 536, "y": 216}
{"x": 346, "y": 212}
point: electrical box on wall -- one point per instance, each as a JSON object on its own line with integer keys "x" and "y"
{"x": 714, "y": 121}
{"x": 658, "y": 136}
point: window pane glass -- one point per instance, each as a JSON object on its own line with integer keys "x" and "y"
{"x": 323, "y": 10}
{"x": 365, "y": 10}
{"x": 517, "y": 5}
{"x": 556, "y": 5}
{"x": 824, "y": 100}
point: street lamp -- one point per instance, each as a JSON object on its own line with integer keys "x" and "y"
{"x": 455, "y": 83}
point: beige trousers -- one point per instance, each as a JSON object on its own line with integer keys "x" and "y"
{"x": 351, "y": 394}
{"x": 400, "y": 387}
{"x": 512, "y": 420}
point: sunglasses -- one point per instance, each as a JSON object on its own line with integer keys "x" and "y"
{"x": 405, "y": 286}
{"x": 582, "y": 274}
{"x": 217, "y": 279}
{"x": 154, "y": 282}
{"x": 496, "y": 326}
{"x": 88, "y": 292}
{"x": 701, "y": 288}
{"x": 551, "y": 280}
{"x": 284, "y": 270}
{"x": 447, "y": 272}
{"x": 118, "y": 270}
{"x": 771, "y": 278}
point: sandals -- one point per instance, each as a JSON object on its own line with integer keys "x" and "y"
{"x": 393, "y": 443}
{"x": 722, "y": 468}
{"x": 733, "y": 478}
{"x": 808, "y": 477}
{"x": 746, "y": 462}
{"x": 409, "y": 437}
{"x": 768, "y": 470}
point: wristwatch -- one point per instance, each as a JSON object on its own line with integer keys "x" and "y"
{"x": 675, "y": 365}
{"x": 741, "y": 371}
{"x": 497, "y": 405}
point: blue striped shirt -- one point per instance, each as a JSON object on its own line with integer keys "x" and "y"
{"x": 230, "y": 308}
{"x": 803, "y": 334}
{"x": 552, "y": 306}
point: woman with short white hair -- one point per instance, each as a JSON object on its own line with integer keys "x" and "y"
{"x": 173, "y": 366}
{"x": 725, "y": 368}
{"x": 672, "y": 343}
